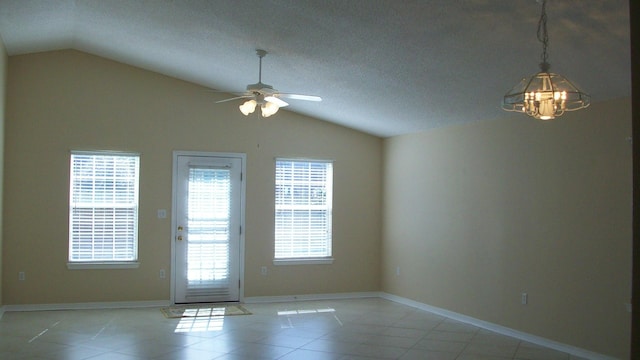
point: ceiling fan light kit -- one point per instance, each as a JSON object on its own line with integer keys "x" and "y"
{"x": 268, "y": 108}
{"x": 545, "y": 95}
{"x": 248, "y": 107}
{"x": 265, "y": 95}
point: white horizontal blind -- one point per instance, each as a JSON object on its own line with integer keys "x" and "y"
{"x": 103, "y": 211}
{"x": 303, "y": 209}
{"x": 209, "y": 216}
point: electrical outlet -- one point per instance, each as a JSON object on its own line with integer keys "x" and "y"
{"x": 162, "y": 274}
{"x": 397, "y": 270}
{"x": 263, "y": 271}
{"x": 524, "y": 298}
{"x": 22, "y": 276}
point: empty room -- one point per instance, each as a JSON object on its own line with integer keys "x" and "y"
{"x": 328, "y": 179}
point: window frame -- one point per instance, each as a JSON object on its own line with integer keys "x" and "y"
{"x": 134, "y": 204}
{"x": 307, "y": 260}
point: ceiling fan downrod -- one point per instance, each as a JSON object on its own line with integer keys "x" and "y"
{"x": 261, "y": 53}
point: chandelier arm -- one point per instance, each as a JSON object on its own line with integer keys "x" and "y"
{"x": 583, "y": 99}
{"x": 526, "y": 88}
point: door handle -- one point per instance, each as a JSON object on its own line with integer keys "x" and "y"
{"x": 179, "y": 237}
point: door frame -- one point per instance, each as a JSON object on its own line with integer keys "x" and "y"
{"x": 174, "y": 221}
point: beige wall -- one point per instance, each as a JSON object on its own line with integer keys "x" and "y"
{"x": 477, "y": 214}
{"x": 58, "y": 101}
{"x": 3, "y": 82}
{"x": 474, "y": 215}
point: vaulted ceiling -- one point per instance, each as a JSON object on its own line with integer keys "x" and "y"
{"x": 385, "y": 67}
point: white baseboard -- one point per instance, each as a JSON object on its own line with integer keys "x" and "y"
{"x": 499, "y": 329}
{"x": 291, "y": 298}
{"x": 87, "y": 305}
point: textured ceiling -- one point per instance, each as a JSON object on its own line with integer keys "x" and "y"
{"x": 383, "y": 67}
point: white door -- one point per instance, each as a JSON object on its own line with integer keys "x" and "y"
{"x": 208, "y": 197}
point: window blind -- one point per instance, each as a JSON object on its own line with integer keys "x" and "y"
{"x": 303, "y": 206}
{"x": 103, "y": 211}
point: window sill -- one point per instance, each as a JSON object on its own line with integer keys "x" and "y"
{"x": 103, "y": 265}
{"x": 304, "y": 261}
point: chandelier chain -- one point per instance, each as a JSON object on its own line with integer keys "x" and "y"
{"x": 543, "y": 36}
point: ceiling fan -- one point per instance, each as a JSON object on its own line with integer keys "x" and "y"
{"x": 269, "y": 99}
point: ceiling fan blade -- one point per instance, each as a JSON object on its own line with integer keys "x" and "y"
{"x": 275, "y": 100}
{"x": 235, "y": 98}
{"x": 300, "y": 97}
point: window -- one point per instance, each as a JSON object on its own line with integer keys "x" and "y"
{"x": 103, "y": 208}
{"x": 303, "y": 210}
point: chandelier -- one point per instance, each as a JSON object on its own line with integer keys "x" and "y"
{"x": 545, "y": 95}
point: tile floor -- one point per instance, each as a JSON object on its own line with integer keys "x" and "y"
{"x": 310, "y": 330}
